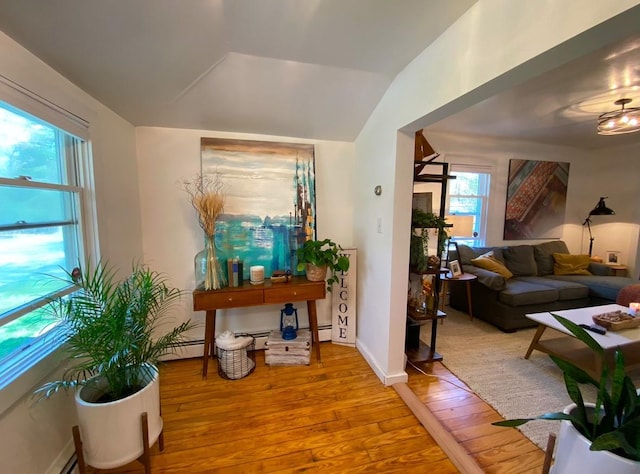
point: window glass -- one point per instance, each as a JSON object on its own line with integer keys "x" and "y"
{"x": 40, "y": 224}
{"x": 28, "y": 147}
{"x": 468, "y": 196}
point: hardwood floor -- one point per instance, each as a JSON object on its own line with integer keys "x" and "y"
{"x": 334, "y": 417}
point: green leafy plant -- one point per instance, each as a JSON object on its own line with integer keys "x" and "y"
{"x": 107, "y": 328}
{"x": 425, "y": 221}
{"x": 614, "y": 423}
{"x": 323, "y": 253}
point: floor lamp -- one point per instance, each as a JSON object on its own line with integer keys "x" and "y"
{"x": 601, "y": 209}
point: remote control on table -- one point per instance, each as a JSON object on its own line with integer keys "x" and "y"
{"x": 594, "y": 328}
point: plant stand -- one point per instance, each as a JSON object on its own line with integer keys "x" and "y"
{"x": 145, "y": 458}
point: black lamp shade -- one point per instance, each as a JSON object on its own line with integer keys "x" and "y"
{"x": 601, "y": 209}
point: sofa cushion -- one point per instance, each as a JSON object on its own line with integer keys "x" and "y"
{"x": 488, "y": 261}
{"x": 543, "y": 254}
{"x": 567, "y": 290}
{"x": 567, "y": 264}
{"x": 523, "y": 293}
{"x": 466, "y": 253}
{"x": 606, "y": 287}
{"x": 492, "y": 280}
{"x": 519, "y": 259}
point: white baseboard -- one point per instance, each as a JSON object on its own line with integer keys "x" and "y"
{"x": 386, "y": 379}
{"x": 59, "y": 464}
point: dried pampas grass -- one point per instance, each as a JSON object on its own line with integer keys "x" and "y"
{"x": 206, "y": 195}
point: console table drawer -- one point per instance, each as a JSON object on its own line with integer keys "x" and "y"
{"x": 219, "y": 299}
{"x": 287, "y": 292}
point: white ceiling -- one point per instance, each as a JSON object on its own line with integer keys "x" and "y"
{"x": 560, "y": 107}
{"x": 300, "y": 68}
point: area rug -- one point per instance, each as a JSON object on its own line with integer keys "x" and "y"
{"x": 492, "y": 364}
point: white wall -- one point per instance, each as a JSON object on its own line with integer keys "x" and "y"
{"x": 34, "y": 438}
{"x": 489, "y": 49}
{"x": 172, "y": 237}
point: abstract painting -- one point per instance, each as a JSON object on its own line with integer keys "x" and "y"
{"x": 536, "y": 199}
{"x": 270, "y": 206}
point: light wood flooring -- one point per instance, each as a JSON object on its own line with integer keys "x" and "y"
{"x": 334, "y": 417}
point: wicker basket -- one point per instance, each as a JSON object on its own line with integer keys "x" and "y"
{"x": 239, "y": 362}
{"x": 316, "y": 273}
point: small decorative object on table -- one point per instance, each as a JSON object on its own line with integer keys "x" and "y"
{"x": 206, "y": 195}
{"x": 454, "y": 266}
{"x": 281, "y": 276}
{"x": 616, "y": 320}
{"x": 256, "y": 274}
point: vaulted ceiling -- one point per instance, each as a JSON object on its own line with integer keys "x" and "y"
{"x": 300, "y": 68}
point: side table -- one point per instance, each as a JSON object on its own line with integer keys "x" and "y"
{"x": 618, "y": 270}
{"x": 268, "y": 293}
{"x": 467, "y": 278}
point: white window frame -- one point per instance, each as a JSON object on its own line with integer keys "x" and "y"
{"x": 22, "y": 372}
{"x": 480, "y": 239}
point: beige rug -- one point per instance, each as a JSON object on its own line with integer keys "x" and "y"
{"x": 492, "y": 364}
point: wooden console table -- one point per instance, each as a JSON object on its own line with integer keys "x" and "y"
{"x": 298, "y": 289}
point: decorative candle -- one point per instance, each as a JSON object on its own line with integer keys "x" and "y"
{"x": 634, "y": 308}
{"x": 256, "y": 274}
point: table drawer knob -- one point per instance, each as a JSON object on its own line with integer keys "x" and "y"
{"x": 230, "y": 299}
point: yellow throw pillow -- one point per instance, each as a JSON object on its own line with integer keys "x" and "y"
{"x": 488, "y": 261}
{"x": 566, "y": 264}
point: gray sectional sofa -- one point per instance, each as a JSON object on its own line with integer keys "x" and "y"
{"x": 533, "y": 288}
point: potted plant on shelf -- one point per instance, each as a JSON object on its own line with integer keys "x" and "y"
{"x": 316, "y": 256}
{"x": 421, "y": 223}
{"x": 107, "y": 328}
{"x": 595, "y": 437}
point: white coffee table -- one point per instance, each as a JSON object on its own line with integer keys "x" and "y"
{"x": 575, "y": 351}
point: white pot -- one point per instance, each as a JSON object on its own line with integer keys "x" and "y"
{"x": 572, "y": 454}
{"x": 111, "y": 432}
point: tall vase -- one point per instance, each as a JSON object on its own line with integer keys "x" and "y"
{"x": 208, "y": 271}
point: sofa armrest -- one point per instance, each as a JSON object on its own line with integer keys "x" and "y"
{"x": 600, "y": 269}
{"x": 491, "y": 280}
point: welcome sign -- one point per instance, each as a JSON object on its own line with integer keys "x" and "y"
{"x": 343, "y": 303}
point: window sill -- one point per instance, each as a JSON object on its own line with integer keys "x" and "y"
{"x": 23, "y": 373}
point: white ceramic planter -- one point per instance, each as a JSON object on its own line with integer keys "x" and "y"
{"x": 111, "y": 432}
{"x": 572, "y": 454}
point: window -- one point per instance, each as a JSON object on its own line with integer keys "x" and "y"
{"x": 42, "y": 169}
{"x": 467, "y": 196}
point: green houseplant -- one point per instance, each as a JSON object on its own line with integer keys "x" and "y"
{"x": 107, "y": 330}
{"x": 616, "y": 427}
{"x": 321, "y": 254}
{"x": 424, "y": 221}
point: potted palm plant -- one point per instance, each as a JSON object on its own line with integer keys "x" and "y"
{"x": 316, "y": 256}
{"x": 595, "y": 437}
{"x": 107, "y": 330}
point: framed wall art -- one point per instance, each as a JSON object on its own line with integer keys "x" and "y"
{"x": 270, "y": 200}
{"x": 536, "y": 199}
